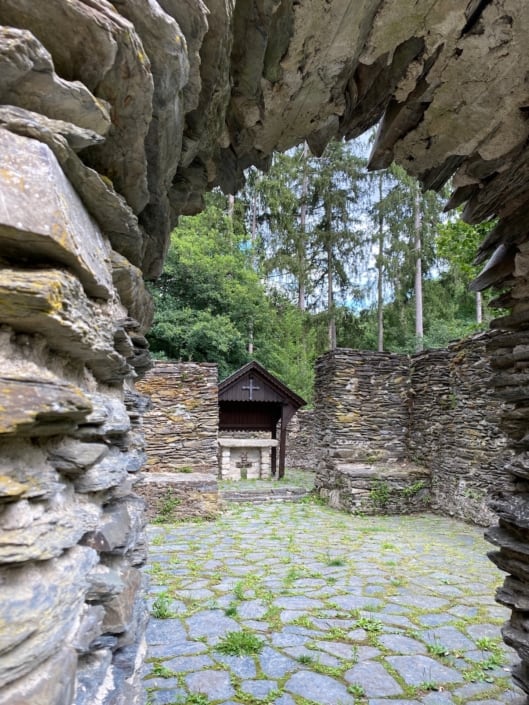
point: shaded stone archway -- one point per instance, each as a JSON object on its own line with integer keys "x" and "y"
{"x": 114, "y": 119}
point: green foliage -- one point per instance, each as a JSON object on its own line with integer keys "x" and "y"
{"x": 166, "y": 509}
{"x": 231, "y": 610}
{"x": 457, "y": 243}
{"x": 161, "y": 671}
{"x": 357, "y": 690}
{"x": 194, "y": 699}
{"x": 412, "y": 489}
{"x": 243, "y": 643}
{"x": 369, "y": 624}
{"x": 161, "y": 607}
{"x": 379, "y": 493}
{"x": 306, "y": 659}
{"x": 336, "y": 562}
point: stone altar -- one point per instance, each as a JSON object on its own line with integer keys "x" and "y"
{"x": 246, "y": 458}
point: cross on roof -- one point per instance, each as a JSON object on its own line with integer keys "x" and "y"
{"x": 251, "y": 388}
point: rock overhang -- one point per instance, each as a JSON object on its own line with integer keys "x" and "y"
{"x": 195, "y": 92}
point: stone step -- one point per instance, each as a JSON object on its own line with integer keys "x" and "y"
{"x": 258, "y": 496}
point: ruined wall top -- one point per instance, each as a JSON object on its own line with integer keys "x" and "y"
{"x": 147, "y": 104}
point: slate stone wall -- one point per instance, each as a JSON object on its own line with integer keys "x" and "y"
{"x": 434, "y": 411}
{"x": 181, "y": 426}
{"x": 72, "y": 316}
{"x": 301, "y": 452}
{"x": 361, "y": 407}
{"x": 454, "y": 428}
{"x": 181, "y": 429}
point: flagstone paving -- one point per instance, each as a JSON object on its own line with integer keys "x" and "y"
{"x": 327, "y": 608}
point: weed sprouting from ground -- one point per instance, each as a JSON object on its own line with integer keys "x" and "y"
{"x": 161, "y": 607}
{"x": 243, "y": 643}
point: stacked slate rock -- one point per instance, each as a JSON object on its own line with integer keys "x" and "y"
{"x": 182, "y": 423}
{"x": 300, "y": 450}
{"x": 71, "y": 527}
{"x": 454, "y": 428}
{"x": 181, "y": 429}
{"x": 361, "y": 429}
{"x": 510, "y": 359}
{"x": 451, "y": 449}
{"x": 73, "y": 313}
{"x": 367, "y": 393}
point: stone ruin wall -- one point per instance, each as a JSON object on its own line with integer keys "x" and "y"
{"x": 435, "y": 411}
{"x": 181, "y": 425}
{"x": 454, "y": 428}
{"x": 73, "y": 313}
{"x": 300, "y": 451}
{"x": 361, "y": 403}
{"x": 181, "y": 429}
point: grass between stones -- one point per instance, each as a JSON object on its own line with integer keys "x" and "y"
{"x": 243, "y": 643}
{"x": 283, "y": 575}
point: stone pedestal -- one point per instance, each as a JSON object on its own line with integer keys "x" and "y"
{"x": 245, "y": 458}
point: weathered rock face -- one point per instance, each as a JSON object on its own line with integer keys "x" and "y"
{"x": 180, "y": 95}
{"x": 114, "y": 119}
{"x": 72, "y": 316}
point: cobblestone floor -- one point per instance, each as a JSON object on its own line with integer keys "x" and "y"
{"x": 291, "y": 604}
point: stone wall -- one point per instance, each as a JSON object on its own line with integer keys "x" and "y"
{"x": 361, "y": 407}
{"x": 301, "y": 452}
{"x": 173, "y": 496}
{"x": 72, "y": 316}
{"x": 434, "y": 412}
{"x": 454, "y": 428}
{"x": 181, "y": 426}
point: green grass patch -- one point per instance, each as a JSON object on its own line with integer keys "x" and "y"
{"x": 161, "y": 607}
{"x": 243, "y": 643}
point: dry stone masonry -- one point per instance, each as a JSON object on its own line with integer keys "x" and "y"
{"x": 71, "y": 528}
{"x": 114, "y": 119}
{"x": 361, "y": 421}
{"x": 181, "y": 429}
{"x": 454, "y": 429}
{"x": 182, "y": 422}
{"x": 301, "y": 453}
{"x": 395, "y": 433}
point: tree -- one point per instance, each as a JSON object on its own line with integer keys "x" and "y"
{"x": 187, "y": 334}
{"x": 335, "y": 191}
{"x": 310, "y": 214}
{"x": 209, "y": 297}
{"x": 457, "y": 245}
{"x": 208, "y": 271}
{"x": 406, "y": 222}
{"x": 283, "y": 195}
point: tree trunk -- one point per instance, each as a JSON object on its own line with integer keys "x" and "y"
{"x": 231, "y": 205}
{"x": 250, "y": 339}
{"x": 330, "y": 298}
{"x": 479, "y": 307}
{"x": 254, "y": 218}
{"x": 419, "y": 331}
{"x": 302, "y": 226}
{"x": 380, "y": 272}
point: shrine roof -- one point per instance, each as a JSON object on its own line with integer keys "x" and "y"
{"x": 253, "y": 383}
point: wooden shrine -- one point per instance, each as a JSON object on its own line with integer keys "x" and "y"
{"x": 253, "y": 400}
